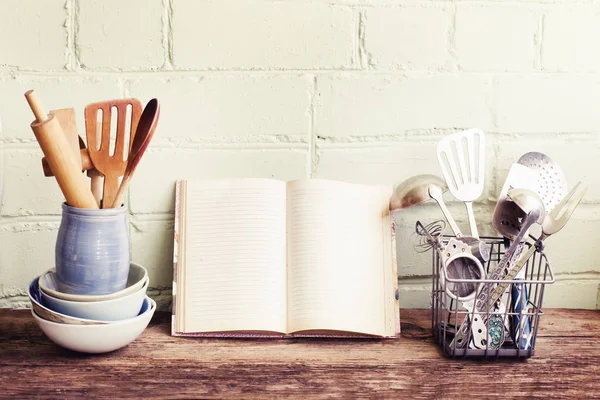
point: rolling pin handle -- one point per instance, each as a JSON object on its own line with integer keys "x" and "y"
{"x": 36, "y": 107}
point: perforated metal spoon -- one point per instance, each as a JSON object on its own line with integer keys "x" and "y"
{"x": 551, "y": 186}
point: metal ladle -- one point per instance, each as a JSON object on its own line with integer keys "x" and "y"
{"x": 421, "y": 188}
{"x": 468, "y": 264}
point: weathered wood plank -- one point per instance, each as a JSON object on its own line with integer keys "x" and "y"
{"x": 566, "y": 364}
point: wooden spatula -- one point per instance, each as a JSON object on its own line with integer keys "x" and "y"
{"x": 67, "y": 120}
{"x": 111, "y": 166}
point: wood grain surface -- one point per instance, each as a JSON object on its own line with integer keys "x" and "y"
{"x": 566, "y": 365}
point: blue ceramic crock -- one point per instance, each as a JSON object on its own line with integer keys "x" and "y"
{"x": 92, "y": 250}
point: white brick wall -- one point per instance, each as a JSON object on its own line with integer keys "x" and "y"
{"x": 408, "y": 37}
{"x": 121, "y": 35}
{"x": 356, "y": 90}
{"x": 492, "y": 37}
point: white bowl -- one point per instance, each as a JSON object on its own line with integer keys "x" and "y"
{"x": 50, "y": 284}
{"x": 35, "y": 297}
{"x": 108, "y": 310}
{"x": 98, "y": 338}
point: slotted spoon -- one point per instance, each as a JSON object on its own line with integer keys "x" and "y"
{"x": 551, "y": 186}
{"x": 462, "y": 157}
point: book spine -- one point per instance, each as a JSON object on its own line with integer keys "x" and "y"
{"x": 395, "y": 272}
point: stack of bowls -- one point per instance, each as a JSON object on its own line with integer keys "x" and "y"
{"x": 91, "y": 323}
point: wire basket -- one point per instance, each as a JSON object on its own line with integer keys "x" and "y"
{"x": 448, "y": 313}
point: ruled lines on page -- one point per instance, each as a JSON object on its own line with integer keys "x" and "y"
{"x": 335, "y": 258}
{"x": 235, "y": 267}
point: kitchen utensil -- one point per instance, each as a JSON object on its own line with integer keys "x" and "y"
{"x": 57, "y": 150}
{"x": 460, "y": 264}
{"x": 96, "y": 183}
{"x": 533, "y": 205}
{"x": 508, "y": 215}
{"x": 553, "y": 222}
{"x": 84, "y": 156}
{"x": 86, "y": 165}
{"x": 421, "y": 188}
{"x": 551, "y": 186}
{"x": 418, "y": 189}
{"x": 462, "y": 157}
{"x": 429, "y": 235}
{"x": 68, "y": 123}
{"x": 436, "y": 192}
{"x": 96, "y": 178}
{"x": 66, "y": 118}
{"x": 478, "y": 248}
{"x": 415, "y": 190}
{"x": 141, "y": 141}
{"x": 111, "y": 166}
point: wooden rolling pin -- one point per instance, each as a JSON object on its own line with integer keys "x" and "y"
{"x": 61, "y": 159}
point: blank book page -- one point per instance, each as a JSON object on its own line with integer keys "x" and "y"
{"x": 337, "y": 233}
{"x": 235, "y": 276}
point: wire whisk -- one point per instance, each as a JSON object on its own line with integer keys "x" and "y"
{"x": 429, "y": 235}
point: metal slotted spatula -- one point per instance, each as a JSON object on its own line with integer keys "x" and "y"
{"x": 462, "y": 157}
{"x": 112, "y": 166}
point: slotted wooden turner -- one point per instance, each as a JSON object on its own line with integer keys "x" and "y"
{"x": 462, "y": 157}
{"x": 111, "y": 166}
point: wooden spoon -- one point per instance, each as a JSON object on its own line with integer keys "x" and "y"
{"x": 112, "y": 167}
{"x": 143, "y": 136}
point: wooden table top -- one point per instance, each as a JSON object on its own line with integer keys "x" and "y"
{"x": 157, "y": 365}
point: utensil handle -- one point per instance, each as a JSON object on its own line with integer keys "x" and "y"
{"x": 36, "y": 106}
{"x": 121, "y": 192}
{"x": 472, "y": 221}
{"x": 111, "y": 187}
{"x": 450, "y": 219}
{"x": 86, "y": 163}
{"x": 96, "y": 184}
{"x": 521, "y": 322}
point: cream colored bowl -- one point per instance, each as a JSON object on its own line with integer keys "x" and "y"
{"x": 107, "y": 310}
{"x": 35, "y": 296}
{"x": 98, "y": 338}
{"x": 49, "y": 284}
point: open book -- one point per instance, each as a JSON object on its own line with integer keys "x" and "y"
{"x": 262, "y": 257}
